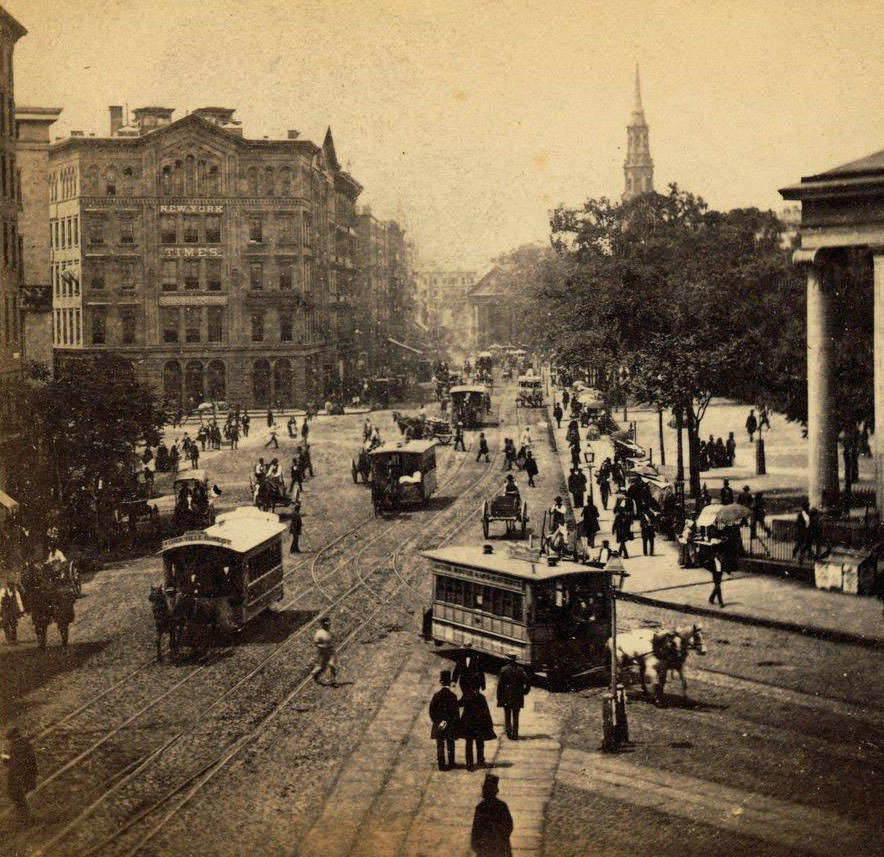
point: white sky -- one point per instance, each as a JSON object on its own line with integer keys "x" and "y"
{"x": 472, "y": 118}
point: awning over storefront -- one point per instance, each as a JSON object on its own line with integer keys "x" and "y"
{"x": 403, "y": 345}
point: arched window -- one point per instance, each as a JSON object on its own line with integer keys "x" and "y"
{"x": 193, "y": 383}
{"x": 214, "y": 181}
{"x": 166, "y": 181}
{"x": 252, "y": 181}
{"x": 190, "y": 176}
{"x": 216, "y": 380}
{"x": 110, "y": 182}
{"x": 285, "y": 182}
{"x": 261, "y": 383}
{"x": 178, "y": 179}
{"x": 268, "y": 181}
{"x": 172, "y": 383}
{"x": 200, "y": 177}
{"x": 128, "y": 182}
{"x": 282, "y": 383}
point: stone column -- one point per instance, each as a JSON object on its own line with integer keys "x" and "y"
{"x": 878, "y": 262}
{"x": 822, "y": 434}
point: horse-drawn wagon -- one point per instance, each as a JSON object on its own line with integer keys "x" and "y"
{"x": 509, "y": 508}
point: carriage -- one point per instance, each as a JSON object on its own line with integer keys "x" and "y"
{"x": 471, "y": 405}
{"x": 402, "y": 474}
{"x": 553, "y": 614}
{"x": 361, "y": 466}
{"x": 220, "y": 578}
{"x": 48, "y": 593}
{"x": 509, "y": 508}
{"x": 530, "y": 393}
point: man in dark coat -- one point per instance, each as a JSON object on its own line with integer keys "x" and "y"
{"x": 295, "y": 526}
{"x": 751, "y": 425}
{"x": 458, "y": 437}
{"x": 483, "y": 447}
{"x": 475, "y": 725}
{"x": 590, "y": 522}
{"x": 445, "y": 714}
{"x": 512, "y": 687}
{"x": 622, "y": 530}
{"x": 492, "y": 823}
{"x": 22, "y": 773}
{"x": 744, "y": 498}
{"x": 727, "y": 493}
{"x": 470, "y": 675}
{"x": 530, "y": 468}
{"x": 558, "y": 414}
{"x": 648, "y": 532}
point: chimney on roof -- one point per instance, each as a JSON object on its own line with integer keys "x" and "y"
{"x": 116, "y": 118}
{"x": 292, "y": 134}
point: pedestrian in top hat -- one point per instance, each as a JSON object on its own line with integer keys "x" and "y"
{"x": 512, "y": 687}
{"x": 744, "y": 498}
{"x": 483, "y": 447}
{"x": 295, "y": 526}
{"x": 558, "y": 414}
{"x": 475, "y": 725}
{"x": 530, "y": 468}
{"x": 492, "y": 823}
{"x": 21, "y": 776}
{"x": 445, "y": 714}
{"x": 727, "y": 493}
{"x": 590, "y": 522}
{"x": 468, "y": 672}
{"x": 577, "y": 486}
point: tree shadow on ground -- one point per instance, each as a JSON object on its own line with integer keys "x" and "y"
{"x": 26, "y": 668}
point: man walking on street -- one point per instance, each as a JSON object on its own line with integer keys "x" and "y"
{"x": 483, "y": 447}
{"x": 512, "y": 687}
{"x": 458, "y": 437}
{"x": 558, "y": 414}
{"x": 325, "y": 652}
{"x": 648, "y": 533}
{"x": 21, "y": 777}
{"x": 246, "y": 419}
{"x": 492, "y": 823}
{"x": 751, "y": 425}
{"x": 530, "y": 468}
{"x": 445, "y": 715}
{"x": 194, "y": 456}
{"x": 716, "y": 567}
{"x": 273, "y": 439}
{"x": 295, "y": 526}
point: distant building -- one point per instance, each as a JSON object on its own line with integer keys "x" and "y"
{"x": 495, "y": 312}
{"x": 32, "y": 129}
{"x": 441, "y": 299}
{"x": 221, "y": 266}
{"x": 638, "y": 169}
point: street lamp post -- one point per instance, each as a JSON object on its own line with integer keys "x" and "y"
{"x": 615, "y": 727}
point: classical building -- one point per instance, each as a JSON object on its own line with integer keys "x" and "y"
{"x": 842, "y": 247}
{"x": 220, "y": 266}
{"x": 441, "y": 299}
{"x": 638, "y": 169}
{"x": 32, "y": 130}
{"x": 10, "y": 276}
{"x": 495, "y": 314}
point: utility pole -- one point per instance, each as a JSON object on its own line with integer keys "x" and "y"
{"x": 660, "y": 428}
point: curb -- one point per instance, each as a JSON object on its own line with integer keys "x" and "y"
{"x": 817, "y": 632}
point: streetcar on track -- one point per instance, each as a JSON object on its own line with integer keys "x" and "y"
{"x": 471, "y": 405}
{"x": 530, "y": 393}
{"x": 553, "y": 614}
{"x": 402, "y": 474}
{"x": 227, "y": 574}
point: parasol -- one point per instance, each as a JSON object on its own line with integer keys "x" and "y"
{"x": 716, "y": 515}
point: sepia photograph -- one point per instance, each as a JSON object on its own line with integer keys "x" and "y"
{"x": 442, "y": 428}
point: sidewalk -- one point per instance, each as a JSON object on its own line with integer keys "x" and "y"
{"x": 751, "y": 599}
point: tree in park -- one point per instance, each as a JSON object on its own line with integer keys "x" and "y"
{"x": 683, "y": 298}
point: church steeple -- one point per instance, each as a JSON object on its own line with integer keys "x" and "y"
{"x": 638, "y": 168}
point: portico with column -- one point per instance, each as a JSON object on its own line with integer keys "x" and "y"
{"x": 841, "y": 210}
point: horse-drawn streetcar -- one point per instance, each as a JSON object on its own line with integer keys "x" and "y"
{"x": 553, "y": 614}
{"x": 220, "y": 578}
{"x": 530, "y": 393}
{"x": 402, "y": 474}
{"x": 471, "y": 405}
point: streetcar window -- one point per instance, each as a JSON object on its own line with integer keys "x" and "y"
{"x": 459, "y": 592}
{"x": 498, "y": 597}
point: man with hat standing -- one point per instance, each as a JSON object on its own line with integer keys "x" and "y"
{"x": 22, "y": 774}
{"x": 557, "y": 514}
{"x": 492, "y": 823}
{"x": 295, "y": 528}
{"x": 445, "y": 714}
{"x": 512, "y": 687}
{"x": 325, "y": 652}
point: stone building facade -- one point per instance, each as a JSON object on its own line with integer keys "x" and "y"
{"x": 441, "y": 297}
{"x": 220, "y": 266}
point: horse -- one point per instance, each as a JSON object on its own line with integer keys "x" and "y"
{"x": 195, "y": 618}
{"x": 163, "y": 620}
{"x": 51, "y": 602}
{"x": 268, "y": 496}
{"x": 413, "y": 425}
{"x": 656, "y": 652}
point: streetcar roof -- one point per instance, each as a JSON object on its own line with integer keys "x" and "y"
{"x": 239, "y": 530}
{"x": 469, "y": 388}
{"x": 414, "y": 447}
{"x": 502, "y": 562}
{"x": 532, "y": 379}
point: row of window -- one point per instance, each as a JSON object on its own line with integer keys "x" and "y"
{"x": 97, "y": 229}
{"x": 192, "y": 324}
{"x": 64, "y": 232}
{"x": 65, "y": 277}
{"x": 488, "y": 599}
{"x": 67, "y": 327}
{"x": 197, "y": 229}
{"x": 63, "y": 185}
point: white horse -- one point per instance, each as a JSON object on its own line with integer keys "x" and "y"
{"x": 656, "y": 652}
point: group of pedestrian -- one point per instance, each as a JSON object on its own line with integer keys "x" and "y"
{"x": 756, "y": 424}
{"x": 717, "y": 453}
